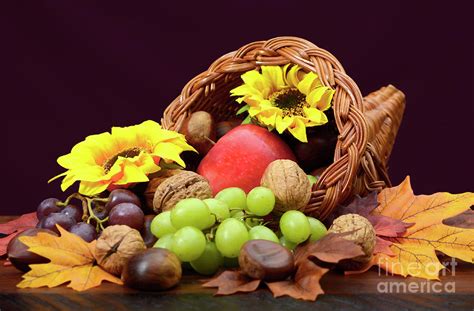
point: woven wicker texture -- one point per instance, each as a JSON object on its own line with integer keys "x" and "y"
{"x": 365, "y": 139}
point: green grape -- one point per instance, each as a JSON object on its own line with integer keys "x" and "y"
{"x": 252, "y": 222}
{"x": 285, "y": 243}
{"x": 230, "y": 236}
{"x": 312, "y": 179}
{"x": 237, "y": 214}
{"x": 209, "y": 262}
{"x": 318, "y": 229}
{"x": 234, "y": 197}
{"x": 161, "y": 225}
{"x": 260, "y": 201}
{"x": 262, "y": 233}
{"x": 188, "y": 243}
{"x": 295, "y": 226}
{"x": 212, "y": 221}
{"x": 218, "y": 208}
{"x": 165, "y": 241}
{"x": 190, "y": 212}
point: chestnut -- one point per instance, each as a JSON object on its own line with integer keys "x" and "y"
{"x": 224, "y": 127}
{"x": 266, "y": 260}
{"x": 18, "y": 252}
{"x": 153, "y": 269}
{"x": 200, "y": 131}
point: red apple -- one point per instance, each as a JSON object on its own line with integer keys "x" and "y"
{"x": 241, "y": 156}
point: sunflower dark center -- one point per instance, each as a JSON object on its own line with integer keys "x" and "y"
{"x": 291, "y": 101}
{"x": 128, "y": 153}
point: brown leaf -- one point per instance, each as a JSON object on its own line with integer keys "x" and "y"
{"x": 362, "y": 206}
{"x": 230, "y": 282}
{"x": 332, "y": 248}
{"x": 305, "y": 284}
{"x": 12, "y": 228}
{"x": 72, "y": 261}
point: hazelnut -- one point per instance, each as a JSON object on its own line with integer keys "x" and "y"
{"x": 266, "y": 260}
{"x": 200, "y": 131}
{"x": 290, "y": 185}
{"x": 361, "y": 232}
{"x": 116, "y": 245}
{"x": 18, "y": 252}
{"x": 178, "y": 187}
{"x": 153, "y": 269}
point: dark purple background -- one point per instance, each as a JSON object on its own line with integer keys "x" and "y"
{"x": 76, "y": 69}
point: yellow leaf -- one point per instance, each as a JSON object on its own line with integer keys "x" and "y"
{"x": 72, "y": 260}
{"x": 415, "y": 249}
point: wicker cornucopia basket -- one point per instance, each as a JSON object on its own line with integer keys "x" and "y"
{"x": 367, "y": 126}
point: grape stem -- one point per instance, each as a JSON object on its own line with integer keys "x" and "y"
{"x": 87, "y": 211}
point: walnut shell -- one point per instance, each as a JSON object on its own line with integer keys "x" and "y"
{"x": 290, "y": 185}
{"x": 181, "y": 186}
{"x": 116, "y": 245}
{"x": 363, "y": 234}
{"x": 160, "y": 177}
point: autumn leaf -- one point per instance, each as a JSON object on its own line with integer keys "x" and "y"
{"x": 384, "y": 226}
{"x": 332, "y": 248}
{"x": 72, "y": 260}
{"x": 415, "y": 250}
{"x": 12, "y": 228}
{"x": 305, "y": 285}
{"x": 231, "y": 282}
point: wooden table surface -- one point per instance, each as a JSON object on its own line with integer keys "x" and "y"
{"x": 356, "y": 292}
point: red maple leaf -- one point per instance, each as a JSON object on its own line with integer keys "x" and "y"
{"x": 12, "y": 228}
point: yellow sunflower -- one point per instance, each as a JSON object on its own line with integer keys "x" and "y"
{"x": 124, "y": 156}
{"x": 284, "y": 98}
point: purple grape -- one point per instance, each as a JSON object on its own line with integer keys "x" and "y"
{"x": 84, "y": 230}
{"x": 47, "y": 207}
{"x": 50, "y": 221}
{"x": 74, "y": 211}
{"x": 147, "y": 236}
{"x": 118, "y": 196}
{"x": 127, "y": 214}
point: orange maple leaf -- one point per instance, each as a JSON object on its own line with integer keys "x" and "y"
{"x": 414, "y": 252}
{"x": 72, "y": 260}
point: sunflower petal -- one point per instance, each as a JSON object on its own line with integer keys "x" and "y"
{"x": 255, "y": 80}
{"x": 315, "y": 115}
{"x": 274, "y": 75}
{"x": 291, "y": 78}
{"x": 131, "y": 174}
{"x": 309, "y": 82}
{"x": 282, "y": 123}
{"x": 325, "y": 102}
{"x": 92, "y": 188}
{"x": 169, "y": 151}
{"x": 298, "y": 130}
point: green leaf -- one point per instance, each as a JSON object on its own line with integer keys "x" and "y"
{"x": 242, "y": 110}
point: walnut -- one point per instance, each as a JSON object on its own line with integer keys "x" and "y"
{"x": 116, "y": 245}
{"x": 362, "y": 233}
{"x": 290, "y": 185}
{"x": 160, "y": 177}
{"x": 181, "y": 186}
